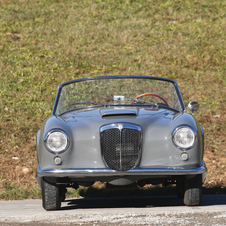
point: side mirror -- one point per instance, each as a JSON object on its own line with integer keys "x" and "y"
{"x": 193, "y": 106}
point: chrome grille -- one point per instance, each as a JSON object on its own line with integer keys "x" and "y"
{"x": 121, "y": 145}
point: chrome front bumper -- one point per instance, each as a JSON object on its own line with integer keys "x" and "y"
{"x": 78, "y": 173}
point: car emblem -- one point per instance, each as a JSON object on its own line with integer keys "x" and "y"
{"x": 120, "y": 126}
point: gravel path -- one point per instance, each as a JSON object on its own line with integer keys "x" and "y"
{"x": 116, "y": 211}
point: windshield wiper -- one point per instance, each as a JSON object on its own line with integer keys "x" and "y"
{"x": 88, "y": 103}
{"x": 77, "y": 103}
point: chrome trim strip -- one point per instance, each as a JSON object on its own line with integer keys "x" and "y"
{"x": 116, "y": 126}
{"x": 92, "y": 172}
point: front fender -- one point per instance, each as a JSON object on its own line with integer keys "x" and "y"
{"x": 37, "y": 144}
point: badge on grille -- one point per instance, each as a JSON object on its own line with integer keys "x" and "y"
{"x": 120, "y": 126}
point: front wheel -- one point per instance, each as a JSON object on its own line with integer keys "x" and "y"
{"x": 193, "y": 191}
{"x": 50, "y": 196}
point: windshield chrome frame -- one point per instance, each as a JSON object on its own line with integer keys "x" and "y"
{"x": 117, "y": 77}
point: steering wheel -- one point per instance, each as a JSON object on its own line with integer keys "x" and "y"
{"x": 150, "y": 94}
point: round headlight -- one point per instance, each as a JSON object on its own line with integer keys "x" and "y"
{"x": 56, "y": 141}
{"x": 184, "y": 137}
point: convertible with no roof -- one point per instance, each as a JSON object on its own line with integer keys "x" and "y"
{"x": 126, "y": 131}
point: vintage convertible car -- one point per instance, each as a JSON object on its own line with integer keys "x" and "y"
{"x": 122, "y": 130}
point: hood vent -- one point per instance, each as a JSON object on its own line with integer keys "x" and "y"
{"x": 118, "y": 112}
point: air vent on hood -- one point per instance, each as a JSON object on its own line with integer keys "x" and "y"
{"x": 113, "y": 112}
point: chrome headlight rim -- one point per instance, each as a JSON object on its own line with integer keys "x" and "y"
{"x": 176, "y": 130}
{"x": 47, "y": 136}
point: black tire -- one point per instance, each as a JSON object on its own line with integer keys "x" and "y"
{"x": 50, "y": 196}
{"x": 193, "y": 191}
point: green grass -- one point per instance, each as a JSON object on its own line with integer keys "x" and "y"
{"x": 45, "y": 43}
{"x": 16, "y": 192}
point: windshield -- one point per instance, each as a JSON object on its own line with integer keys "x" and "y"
{"x": 117, "y": 91}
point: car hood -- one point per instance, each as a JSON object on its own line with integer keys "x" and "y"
{"x": 106, "y": 115}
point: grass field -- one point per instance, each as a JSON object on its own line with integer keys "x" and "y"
{"x": 44, "y": 43}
